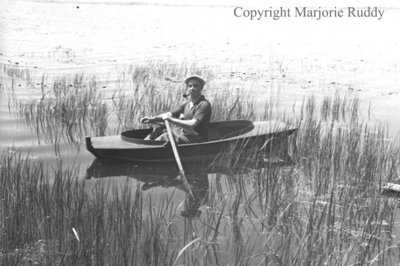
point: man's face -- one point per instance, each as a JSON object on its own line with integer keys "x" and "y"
{"x": 194, "y": 87}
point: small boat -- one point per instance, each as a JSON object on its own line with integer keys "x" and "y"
{"x": 233, "y": 136}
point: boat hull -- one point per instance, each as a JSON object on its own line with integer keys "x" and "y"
{"x": 263, "y": 136}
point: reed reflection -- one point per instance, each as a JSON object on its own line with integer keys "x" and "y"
{"x": 161, "y": 175}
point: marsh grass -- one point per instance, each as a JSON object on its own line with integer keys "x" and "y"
{"x": 72, "y": 109}
{"x": 42, "y": 207}
{"x": 12, "y": 78}
{"x": 19, "y": 73}
{"x": 325, "y": 209}
{"x": 270, "y": 215}
{"x": 76, "y": 106}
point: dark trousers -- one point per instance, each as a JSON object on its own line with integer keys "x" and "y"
{"x": 180, "y": 137}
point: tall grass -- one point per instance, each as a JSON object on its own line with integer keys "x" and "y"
{"x": 16, "y": 72}
{"x": 70, "y": 110}
{"x": 325, "y": 209}
{"x": 41, "y": 210}
{"x": 75, "y": 105}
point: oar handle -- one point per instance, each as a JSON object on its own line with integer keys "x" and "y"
{"x": 177, "y": 158}
{"x": 147, "y": 120}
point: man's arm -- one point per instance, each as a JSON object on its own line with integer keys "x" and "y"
{"x": 189, "y": 124}
{"x": 158, "y": 118}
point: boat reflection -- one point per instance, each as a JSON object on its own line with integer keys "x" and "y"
{"x": 167, "y": 175}
{"x": 164, "y": 175}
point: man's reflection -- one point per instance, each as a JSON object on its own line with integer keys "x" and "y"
{"x": 164, "y": 175}
{"x": 200, "y": 187}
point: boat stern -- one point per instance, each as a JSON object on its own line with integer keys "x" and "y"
{"x": 89, "y": 145}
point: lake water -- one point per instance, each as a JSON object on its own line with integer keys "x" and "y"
{"x": 287, "y": 59}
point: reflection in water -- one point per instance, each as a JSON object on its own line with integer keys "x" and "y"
{"x": 167, "y": 175}
{"x": 161, "y": 174}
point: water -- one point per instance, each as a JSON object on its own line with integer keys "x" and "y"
{"x": 53, "y": 38}
{"x": 288, "y": 59}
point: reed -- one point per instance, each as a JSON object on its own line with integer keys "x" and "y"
{"x": 325, "y": 208}
{"x": 72, "y": 109}
{"x": 17, "y": 72}
{"x": 75, "y": 105}
{"x": 48, "y": 217}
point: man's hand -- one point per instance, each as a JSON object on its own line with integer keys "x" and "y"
{"x": 146, "y": 120}
{"x": 166, "y": 116}
{"x": 159, "y": 118}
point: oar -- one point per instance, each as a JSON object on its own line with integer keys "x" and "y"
{"x": 177, "y": 158}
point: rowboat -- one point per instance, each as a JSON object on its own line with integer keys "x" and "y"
{"x": 268, "y": 137}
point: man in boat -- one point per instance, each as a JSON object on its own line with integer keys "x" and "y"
{"x": 192, "y": 118}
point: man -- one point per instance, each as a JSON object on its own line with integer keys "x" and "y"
{"x": 192, "y": 118}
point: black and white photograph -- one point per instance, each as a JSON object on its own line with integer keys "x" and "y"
{"x": 183, "y": 132}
